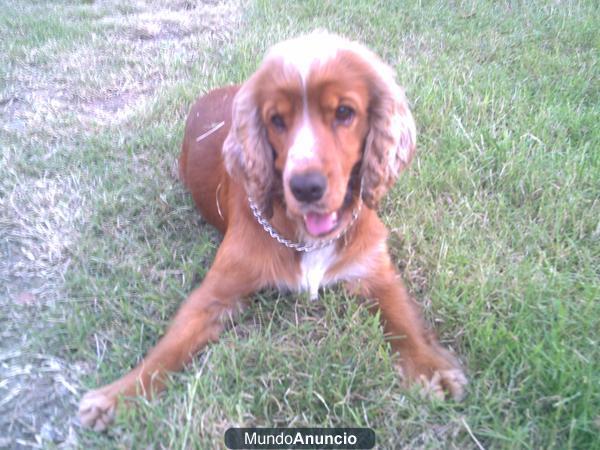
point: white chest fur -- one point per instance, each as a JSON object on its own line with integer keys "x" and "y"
{"x": 313, "y": 267}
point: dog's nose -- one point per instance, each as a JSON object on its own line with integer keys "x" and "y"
{"x": 308, "y": 187}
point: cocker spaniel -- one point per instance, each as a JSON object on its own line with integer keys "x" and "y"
{"x": 290, "y": 167}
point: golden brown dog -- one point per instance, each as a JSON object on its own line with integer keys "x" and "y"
{"x": 290, "y": 167}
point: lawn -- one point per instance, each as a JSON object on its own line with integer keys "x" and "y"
{"x": 496, "y": 227}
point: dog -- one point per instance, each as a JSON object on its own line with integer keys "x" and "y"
{"x": 290, "y": 167}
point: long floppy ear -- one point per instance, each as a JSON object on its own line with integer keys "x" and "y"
{"x": 390, "y": 144}
{"x": 246, "y": 151}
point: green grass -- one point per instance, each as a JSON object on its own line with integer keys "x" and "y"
{"x": 495, "y": 227}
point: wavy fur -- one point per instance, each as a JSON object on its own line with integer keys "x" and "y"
{"x": 246, "y": 150}
{"x": 391, "y": 141}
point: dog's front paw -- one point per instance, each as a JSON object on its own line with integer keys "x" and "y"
{"x": 97, "y": 409}
{"x": 437, "y": 372}
{"x": 443, "y": 383}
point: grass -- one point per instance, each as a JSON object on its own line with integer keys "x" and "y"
{"x": 495, "y": 227}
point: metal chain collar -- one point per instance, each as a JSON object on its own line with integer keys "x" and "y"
{"x": 301, "y": 246}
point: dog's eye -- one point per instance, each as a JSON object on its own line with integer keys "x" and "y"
{"x": 278, "y": 122}
{"x": 344, "y": 115}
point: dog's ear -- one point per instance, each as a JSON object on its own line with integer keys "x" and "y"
{"x": 246, "y": 151}
{"x": 390, "y": 143}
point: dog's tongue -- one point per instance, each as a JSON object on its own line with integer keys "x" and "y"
{"x": 318, "y": 224}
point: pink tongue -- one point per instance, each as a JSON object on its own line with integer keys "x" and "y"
{"x": 318, "y": 224}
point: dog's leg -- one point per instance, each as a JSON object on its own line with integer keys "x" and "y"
{"x": 422, "y": 359}
{"x": 198, "y": 322}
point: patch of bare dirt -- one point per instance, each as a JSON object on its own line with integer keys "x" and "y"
{"x": 38, "y": 223}
{"x": 40, "y": 215}
{"x": 146, "y": 40}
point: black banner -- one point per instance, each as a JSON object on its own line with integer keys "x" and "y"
{"x": 299, "y": 438}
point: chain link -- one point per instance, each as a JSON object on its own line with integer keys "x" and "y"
{"x": 300, "y": 246}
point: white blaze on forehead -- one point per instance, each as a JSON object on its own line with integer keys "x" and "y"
{"x": 319, "y": 47}
{"x": 302, "y": 52}
{"x": 301, "y": 55}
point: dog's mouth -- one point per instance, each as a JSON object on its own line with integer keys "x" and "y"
{"x": 319, "y": 222}
{"x": 319, "y": 225}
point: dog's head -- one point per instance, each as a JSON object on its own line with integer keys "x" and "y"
{"x": 321, "y": 116}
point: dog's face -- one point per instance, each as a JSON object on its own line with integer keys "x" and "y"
{"x": 317, "y": 129}
{"x": 321, "y": 116}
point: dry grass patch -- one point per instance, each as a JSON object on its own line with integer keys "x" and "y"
{"x": 70, "y": 72}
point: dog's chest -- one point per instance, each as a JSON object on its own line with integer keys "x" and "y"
{"x": 313, "y": 268}
{"x": 317, "y": 267}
